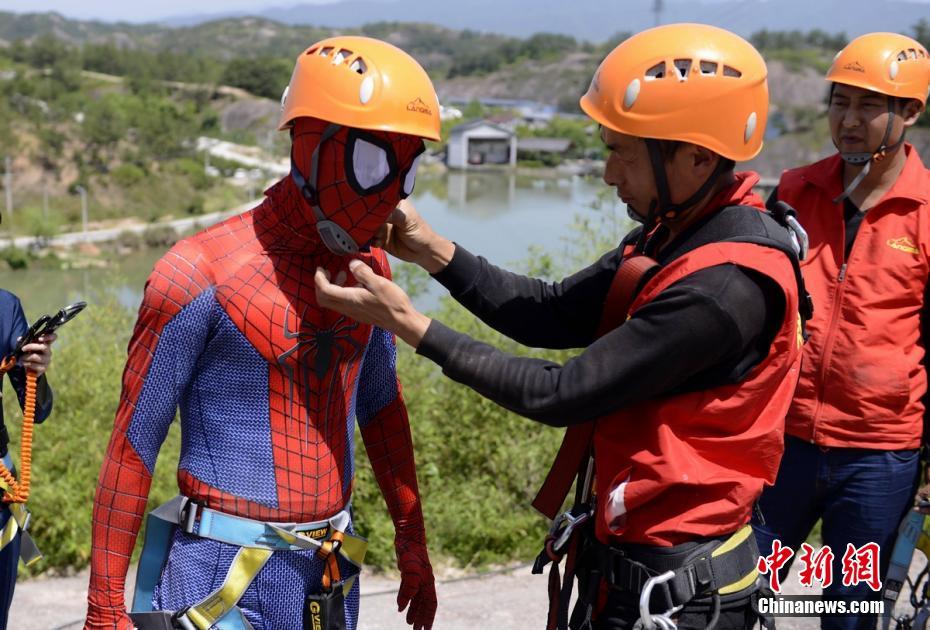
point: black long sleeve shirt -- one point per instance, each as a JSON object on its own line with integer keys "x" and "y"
{"x": 710, "y": 328}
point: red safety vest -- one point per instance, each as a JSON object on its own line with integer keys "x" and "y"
{"x": 862, "y": 378}
{"x": 692, "y": 465}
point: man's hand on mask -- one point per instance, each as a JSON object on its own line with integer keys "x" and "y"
{"x": 408, "y": 237}
{"x": 375, "y": 300}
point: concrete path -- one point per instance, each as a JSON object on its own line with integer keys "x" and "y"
{"x": 510, "y": 598}
{"x": 70, "y": 239}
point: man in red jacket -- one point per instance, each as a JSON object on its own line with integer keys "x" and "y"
{"x": 685, "y": 398}
{"x": 854, "y": 428}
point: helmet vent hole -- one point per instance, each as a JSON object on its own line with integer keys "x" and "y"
{"x": 325, "y": 52}
{"x": 656, "y": 72}
{"x": 684, "y": 67}
{"x": 359, "y": 66}
{"x": 902, "y": 56}
{"x": 708, "y": 68}
{"x": 341, "y": 56}
{"x": 731, "y": 72}
{"x": 312, "y": 51}
{"x": 911, "y": 53}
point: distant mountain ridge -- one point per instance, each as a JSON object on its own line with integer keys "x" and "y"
{"x": 597, "y": 20}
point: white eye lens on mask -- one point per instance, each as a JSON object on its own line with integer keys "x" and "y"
{"x": 370, "y": 165}
{"x": 410, "y": 179}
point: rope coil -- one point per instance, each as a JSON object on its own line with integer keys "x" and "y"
{"x": 19, "y": 489}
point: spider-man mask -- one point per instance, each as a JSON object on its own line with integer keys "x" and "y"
{"x": 351, "y": 178}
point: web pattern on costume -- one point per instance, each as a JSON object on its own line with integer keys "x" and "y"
{"x": 267, "y": 383}
{"x": 360, "y": 215}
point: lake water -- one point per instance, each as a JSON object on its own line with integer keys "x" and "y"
{"x": 498, "y": 215}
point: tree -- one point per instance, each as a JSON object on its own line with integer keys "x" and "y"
{"x": 104, "y": 124}
{"x": 922, "y": 32}
{"x": 264, "y": 76}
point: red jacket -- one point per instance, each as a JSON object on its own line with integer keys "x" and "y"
{"x": 692, "y": 465}
{"x": 862, "y": 376}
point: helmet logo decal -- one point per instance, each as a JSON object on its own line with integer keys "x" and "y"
{"x": 417, "y": 105}
{"x": 854, "y": 66}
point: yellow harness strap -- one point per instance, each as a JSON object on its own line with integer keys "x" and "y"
{"x": 250, "y": 560}
{"x": 731, "y": 543}
{"x": 245, "y": 566}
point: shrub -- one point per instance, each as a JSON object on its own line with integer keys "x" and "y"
{"x": 14, "y": 257}
{"x": 127, "y": 175}
{"x": 129, "y": 240}
{"x": 161, "y": 236}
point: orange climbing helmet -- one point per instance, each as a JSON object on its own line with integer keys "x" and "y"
{"x": 887, "y": 63}
{"x": 689, "y": 82}
{"x": 362, "y": 83}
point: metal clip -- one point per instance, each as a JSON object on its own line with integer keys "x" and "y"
{"x": 566, "y": 524}
{"x": 798, "y": 235}
{"x": 648, "y": 621}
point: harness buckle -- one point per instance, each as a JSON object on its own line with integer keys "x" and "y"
{"x": 187, "y": 515}
{"x": 182, "y": 621}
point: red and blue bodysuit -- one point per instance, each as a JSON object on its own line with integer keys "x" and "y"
{"x": 269, "y": 386}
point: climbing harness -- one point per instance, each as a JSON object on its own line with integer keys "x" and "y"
{"x": 257, "y": 540}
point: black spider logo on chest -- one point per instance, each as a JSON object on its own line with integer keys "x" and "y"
{"x": 319, "y": 349}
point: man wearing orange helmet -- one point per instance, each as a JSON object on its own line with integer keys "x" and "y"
{"x": 689, "y": 330}
{"x": 854, "y": 428}
{"x": 269, "y": 383}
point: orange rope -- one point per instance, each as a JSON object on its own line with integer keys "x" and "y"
{"x": 331, "y": 574}
{"x": 19, "y": 490}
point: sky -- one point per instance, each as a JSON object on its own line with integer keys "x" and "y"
{"x": 120, "y": 10}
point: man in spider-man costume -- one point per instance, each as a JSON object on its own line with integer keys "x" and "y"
{"x": 268, "y": 383}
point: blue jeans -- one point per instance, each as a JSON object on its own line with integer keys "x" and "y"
{"x": 861, "y": 495}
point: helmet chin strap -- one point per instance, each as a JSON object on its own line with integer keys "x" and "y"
{"x": 865, "y": 158}
{"x": 662, "y": 208}
{"x": 336, "y": 239}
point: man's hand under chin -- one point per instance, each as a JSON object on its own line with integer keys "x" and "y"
{"x": 375, "y": 300}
